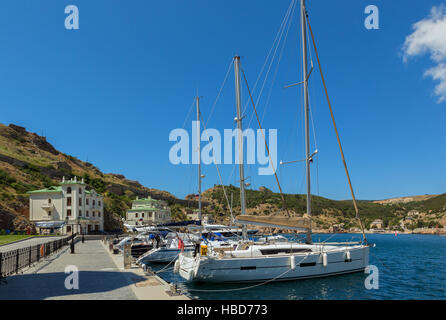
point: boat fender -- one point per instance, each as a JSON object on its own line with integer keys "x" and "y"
{"x": 324, "y": 259}
{"x": 176, "y": 266}
{"x": 347, "y": 256}
{"x": 292, "y": 262}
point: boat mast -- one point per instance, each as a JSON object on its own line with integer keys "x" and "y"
{"x": 303, "y": 14}
{"x": 240, "y": 139}
{"x": 199, "y": 158}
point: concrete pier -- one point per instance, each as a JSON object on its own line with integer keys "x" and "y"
{"x": 101, "y": 277}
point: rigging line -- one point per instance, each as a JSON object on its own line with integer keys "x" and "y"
{"x": 309, "y": 97}
{"x": 188, "y": 114}
{"x": 233, "y": 168}
{"x": 219, "y": 174}
{"x": 273, "y": 57}
{"x": 287, "y": 146}
{"x": 269, "y": 53}
{"x": 317, "y": 175}
{"x": 277, "y": 67}
{"x": 337, "y": 133}
{"x": 219, "y": 92}
{"x": 266, "y": 145}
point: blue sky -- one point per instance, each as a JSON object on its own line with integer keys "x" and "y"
{"x": 112, "y": 91}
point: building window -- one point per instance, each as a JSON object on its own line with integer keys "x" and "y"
{"x": 86, "y": 201}
{"x": 99, "y": 214}
{"x": 136, "y": 215}
{"x": 49, "y": 201}
{"x": 80, "y": 213}
{"x": 142, "y": 215}
{"x": 69, "y": 212}
{"x": 92, "y": 213}
{"x": 49, "y": 213}
{"x": 99, "y": 203}
{"x": 93, "y": 203}
{"x": 86, "y": 214}
{"x": 69, "y": 190}
{"x": 80, "y": 190}
{"x": 68, "y": 228}
{"x": 80, "y": 201}
{"x": 69, "y": 201}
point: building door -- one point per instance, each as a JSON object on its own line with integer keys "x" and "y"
{"x": 96, "y": 227}
{"x": 89, "y": 228}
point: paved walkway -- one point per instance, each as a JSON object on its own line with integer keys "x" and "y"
{"x": 28, "y": 243}
{"x": 99, "y": 277}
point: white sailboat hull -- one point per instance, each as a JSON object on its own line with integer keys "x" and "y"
{"x": 276, "y": 268}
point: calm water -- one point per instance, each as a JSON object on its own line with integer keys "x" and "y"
{"x": 410, "y": 267}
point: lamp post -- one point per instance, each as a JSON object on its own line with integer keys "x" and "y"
{"x": 81, "y": 230}
{"x": 72, "y": 236}
{"x": 66, "y": 221}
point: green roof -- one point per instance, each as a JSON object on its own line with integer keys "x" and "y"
{"x": 72, "y": 182}
{"x": 148, "y": 200}
{"x": 144, "y": 209}
{"x": 57, "y": 189}
{"x": 52, "y": 189}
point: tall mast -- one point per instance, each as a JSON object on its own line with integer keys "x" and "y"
{"x": 240, "y": 138}
{"x": 303, "y": 14}
{"x": 199, "y": 158}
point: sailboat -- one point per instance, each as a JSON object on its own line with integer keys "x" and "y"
{"x": 277, "y": 260}
{"x": 170, "y": 250}
{"x": 175, "y": 243}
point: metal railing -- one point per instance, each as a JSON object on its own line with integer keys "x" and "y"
{"x": 13, "y": 261}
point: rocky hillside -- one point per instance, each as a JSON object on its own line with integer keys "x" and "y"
{"x": 28, "y": 162}
{"x": 406, "y": 199}
{"x": 408, "y": 214}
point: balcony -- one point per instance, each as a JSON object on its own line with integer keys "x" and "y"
{"x": 47, "y": 206}
{"x": 45, "y": 218}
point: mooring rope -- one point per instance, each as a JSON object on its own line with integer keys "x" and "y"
{"x": 168, "y": 263}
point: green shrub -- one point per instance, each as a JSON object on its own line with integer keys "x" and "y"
{"x": 5, "y": 178}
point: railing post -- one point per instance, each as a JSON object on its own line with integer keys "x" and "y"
{"x": 1, "y": 264}
{"x": 29, "y": 256}
{"x": 17, "y": 261}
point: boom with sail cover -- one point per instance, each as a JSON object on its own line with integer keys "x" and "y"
{"x": 292, "y": 223}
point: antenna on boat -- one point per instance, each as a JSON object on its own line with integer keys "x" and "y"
{"x": 240, "y": 140}
{"x": 303, "y": 15}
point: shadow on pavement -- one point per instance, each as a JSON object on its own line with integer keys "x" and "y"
{"x": 41, "y": 286}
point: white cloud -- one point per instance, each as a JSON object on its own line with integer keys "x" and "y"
{"x": 429, "y": 37}
{"x": 439, "y": 73}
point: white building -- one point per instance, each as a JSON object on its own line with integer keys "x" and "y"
{"x": 376, "y": 224}
{"x": 70, "y": 204}
{"x": 148, "y": 211}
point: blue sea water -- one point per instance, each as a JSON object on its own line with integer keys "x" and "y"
{"x": 410, "y": 267}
